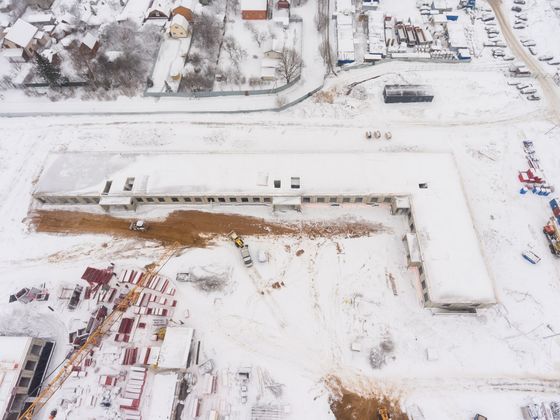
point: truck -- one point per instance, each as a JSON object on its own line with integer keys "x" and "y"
{"x": 552, "y": 233}
{"x": 247, "y": 260}
{"x": 243, "y": 248}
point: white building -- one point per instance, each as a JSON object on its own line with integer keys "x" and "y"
{"x": 452, "y": 275}
{"x": 345, "y": 31}
{"x": 167, "y": 389}
{"x": 176, "y": 347}
{"x": 376, "y": 34}
{"x": 23, "y": 365}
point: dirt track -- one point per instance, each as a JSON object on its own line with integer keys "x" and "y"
{"x": 194, "y": 228}
{"x": 347, "y": 405}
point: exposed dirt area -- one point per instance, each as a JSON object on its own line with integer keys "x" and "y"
{"x": 195, "y": 228}
{"x": 347, "y": 405}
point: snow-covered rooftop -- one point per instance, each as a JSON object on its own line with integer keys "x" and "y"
{"x": 254, "y": 4}
{"x": 180, "y": 20}
{"x": 446, "y": 236}
{"x": 162, "y": 406}
{"x": 21, "y": 33}
{"x": 13, "y": 351}
{"x": 176, "y": 347}
{"x": 89, "y": 40}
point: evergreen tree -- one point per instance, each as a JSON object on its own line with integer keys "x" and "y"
{"x": 48, "y": 71}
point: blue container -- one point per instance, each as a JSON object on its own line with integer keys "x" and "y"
{"x": 541, "y": 191}
{"x": 553, "y": 203}
{"x": 534, "y": 190}
{"x": 523, "y": 190}
{"x": 546, "y": 192}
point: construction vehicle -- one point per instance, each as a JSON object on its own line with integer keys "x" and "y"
{"x": 139, "y": 226}
{"x": 383, "y": 414}
{"x": 94, "y": 339}
{"x": 243, "y": 248}
{"x": 552, "y": 233}
{"x": 236, "y": 239}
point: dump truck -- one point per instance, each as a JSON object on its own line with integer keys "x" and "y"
{"x": 552, "y": 233}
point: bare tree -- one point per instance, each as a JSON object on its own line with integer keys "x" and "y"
{"x": 234, "y": 50}
{"x": 291, "y": 64}
{"x": 258, "y": 36}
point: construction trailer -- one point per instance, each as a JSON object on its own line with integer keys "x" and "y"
{"x": 407, "y": 93}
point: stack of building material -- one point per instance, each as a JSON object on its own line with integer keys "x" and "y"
{"x": 130, "y": 400}
{"x": 533, "y": 179}
{"x": 209, "y": 382}
{"x": 107, "y": 380}
{"x": 125, "y": 330}
{"x": 129, "y": 356}
{"x": 555, "y": 206}
{"x": 131, "y": 276}
{"x": 97, "y": 278}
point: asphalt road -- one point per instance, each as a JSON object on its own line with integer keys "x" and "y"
{"x": 550, "y": 91}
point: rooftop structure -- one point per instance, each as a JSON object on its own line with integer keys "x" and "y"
{"x": 175, "y": 349}
{"x": 161, "y": 408}
{"x": 453, "y": 266}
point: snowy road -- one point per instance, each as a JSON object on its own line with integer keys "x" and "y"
{"x": 550, "y": 90}
{"x": 24, "y": 106}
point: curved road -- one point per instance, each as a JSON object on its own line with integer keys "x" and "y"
{"x": 549, "y": 88}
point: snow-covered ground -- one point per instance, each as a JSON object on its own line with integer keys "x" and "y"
{"x": 491, "y": 363}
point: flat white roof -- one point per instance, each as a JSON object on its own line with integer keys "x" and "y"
{"x": 176, "y": 347}
{"x": 254, "y": 4}
{"x": 21, "y": 33}
{"x": 161, "y": 407}
{"x": 452, "y": 257}
{"x": 13, "y": 351}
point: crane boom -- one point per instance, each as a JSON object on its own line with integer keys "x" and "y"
{"x": 95, "y": 337}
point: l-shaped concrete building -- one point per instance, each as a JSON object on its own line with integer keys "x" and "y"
{"x": 424, "y": 187}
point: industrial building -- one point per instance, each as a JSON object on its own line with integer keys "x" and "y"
{"x": 426, "y": 188}
{"x": 24, "y": 362}
{"x": 407, "y": 93}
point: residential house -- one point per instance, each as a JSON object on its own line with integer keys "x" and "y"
{"x": 183, "y": 8}
{"x": 14, "y": 55}
{"x": 22, "y": 35}
{"x": 89, "y": 44}
{"x": 180, "y": 27}
{"x": 254, "y": 9}
{"x": 273, "y": 49}
{"x": 159, "y": 9}
{"x": 43, "y": 4}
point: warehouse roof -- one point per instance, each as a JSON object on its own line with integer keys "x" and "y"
{"x": 176, "y": 347}
{"x": 452, "y": 257}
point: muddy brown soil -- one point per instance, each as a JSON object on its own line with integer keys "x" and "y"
{"x": 194, "y": 228}
{"x": 347, "y": 405}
